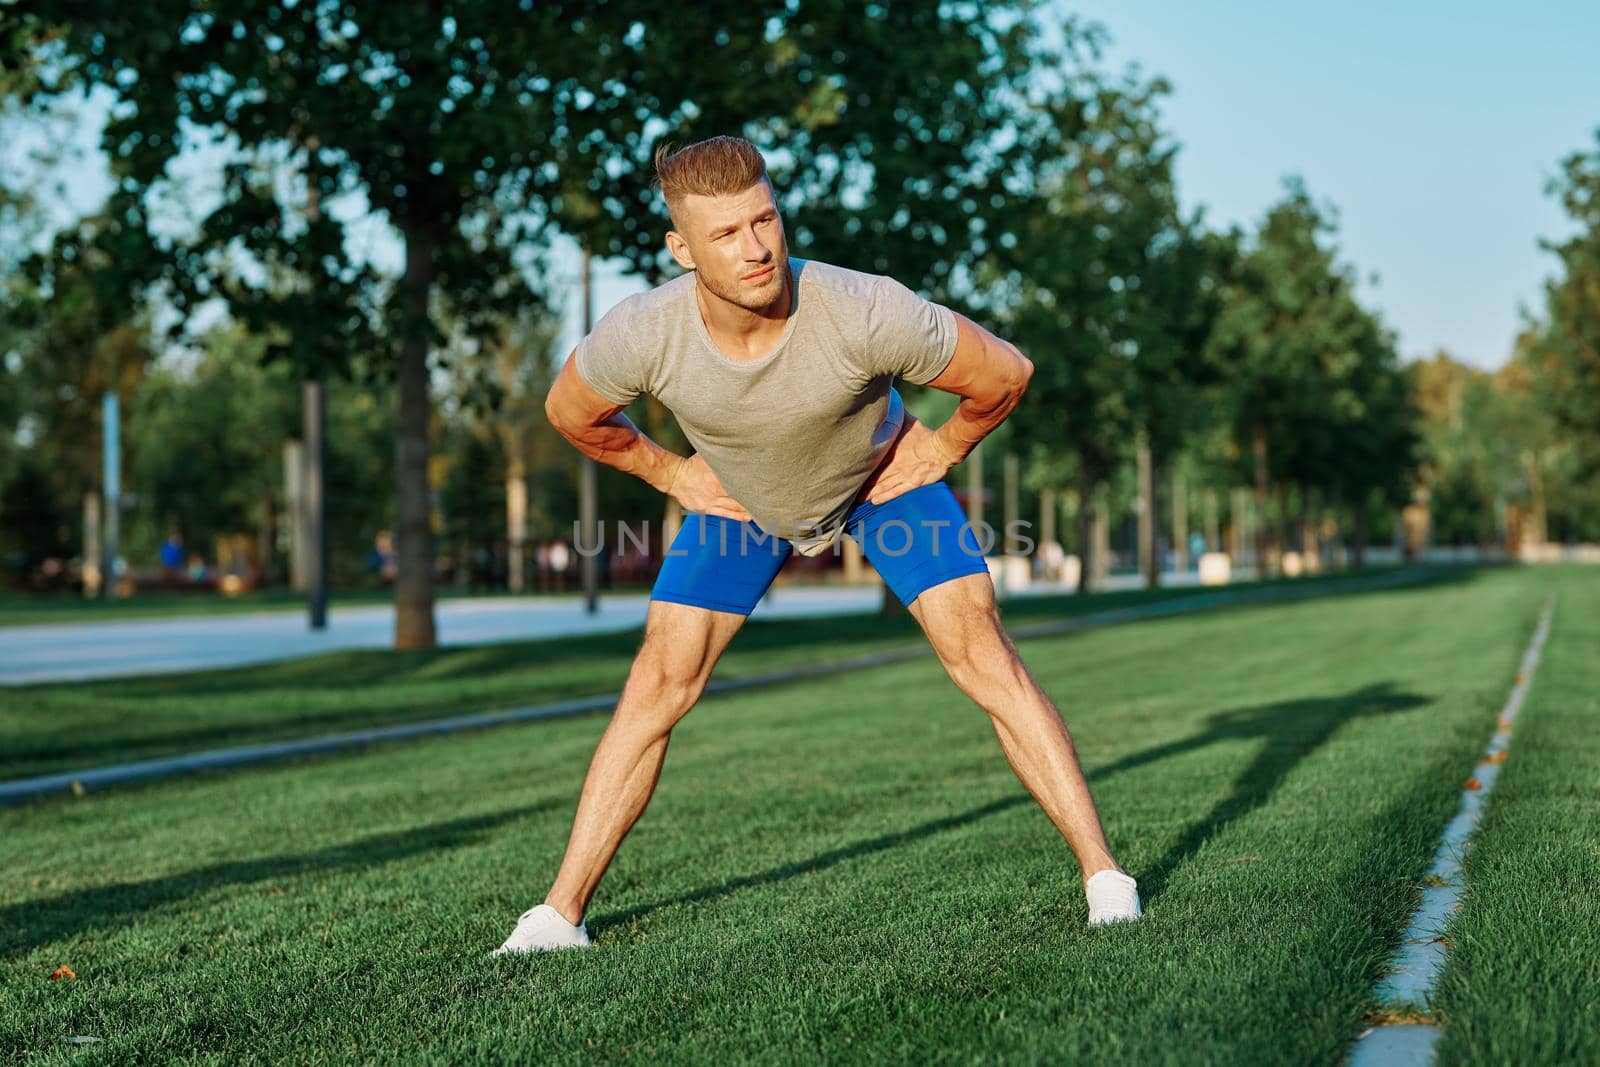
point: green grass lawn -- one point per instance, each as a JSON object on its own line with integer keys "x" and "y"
{"x": 842, "y": 869}
{"x": 1522, "y": 984}
{"x": 57, "y": 727}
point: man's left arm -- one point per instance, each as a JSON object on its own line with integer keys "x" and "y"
{"x": 990, "y": 376}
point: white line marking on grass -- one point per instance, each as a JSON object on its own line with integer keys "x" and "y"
{"x": 1405, "y": 992}
{"x": 93, "y": 778}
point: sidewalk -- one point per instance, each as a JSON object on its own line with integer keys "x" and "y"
{"x": 58, "y": 652}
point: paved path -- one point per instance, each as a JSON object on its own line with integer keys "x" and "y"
{"x": 63, "y": 652}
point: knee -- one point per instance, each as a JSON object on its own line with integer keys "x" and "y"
{"x": 660, "y": 689}
{"x": 980, "y": 660}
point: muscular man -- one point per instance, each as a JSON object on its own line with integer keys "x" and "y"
{"x": 780, "y": 373}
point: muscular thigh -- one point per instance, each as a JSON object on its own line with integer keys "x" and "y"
{"x": 960, "y": 617}
{"x": 682, "y": 643}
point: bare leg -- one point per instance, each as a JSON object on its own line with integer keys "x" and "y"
{"x": 681, "y": 646}
{"x": 963, "y": 625}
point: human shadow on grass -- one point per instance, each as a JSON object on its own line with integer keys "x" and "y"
{"x": 1290, "y": 731}
{"x": 817, "y": 863}
{"x": 32, "y": 923}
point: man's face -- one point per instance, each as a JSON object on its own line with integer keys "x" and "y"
{"x": 735, "y": 243}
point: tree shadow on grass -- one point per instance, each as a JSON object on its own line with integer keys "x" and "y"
{"x": 32, "y": 923}
{"x": 1290, "y": 731}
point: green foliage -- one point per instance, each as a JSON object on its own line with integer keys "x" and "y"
{"x": 1311, "y": 382}
{"x": 205, "y": 439}
{"x": 1066, "y": 268}
{"x": 72, "y": 335}
{"x": 1562, "y": 348}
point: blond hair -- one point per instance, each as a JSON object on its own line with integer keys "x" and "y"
{"x": 714, "y": 167}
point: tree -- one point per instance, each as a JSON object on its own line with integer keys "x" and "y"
{"x": 1373, "y": 438}
{"x": 501, "y": 403}
{"x": 207, "y": 440}
{"x": 1563, "y": 349}
{"x": 71, "y": 339}
{"x": 1066, "y": 265}
{"x": 1289, "y": 314}
{"x": 471, "y": 127}
{"x": 1176, "y": 304}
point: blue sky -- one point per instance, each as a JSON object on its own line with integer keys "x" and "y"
{"x": 1431, "y": 126}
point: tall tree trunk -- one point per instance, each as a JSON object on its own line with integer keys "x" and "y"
{"x": 588, "y": 477}
{"x": 1540, "y": 517}
{"x": 1012, "y": 505}
{"x": 1311, "y": 527}
{"x": 294, "y": 502}
{"x": 1280, "y": 521}
{"x": 315, "y": 407}
{"x": 1259, "y": 448}
{"x": 516, "y": 521}
{"x": 1149, "y": 551}
{"x": 1358, "y": 536}
{"x": 1336, "y": 545}
{"x": 92, "y": 578}
{"x": 1295, "y": 519}
{"x": 413, "y": 587}
{"x": 1082, "y": 536}
{"x": 1213, "y": 528}
{"x": 1238, "y": 537}
{"x": 1180, "y": 521}
{"x": 1100, "y": 534}
{"x": 266, "y": 573}
{"x": 974, "y": 465}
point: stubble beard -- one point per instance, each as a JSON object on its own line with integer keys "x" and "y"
{"x": 756, "y": 299}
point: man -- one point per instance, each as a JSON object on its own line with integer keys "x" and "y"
{"x": 780, "y": 373}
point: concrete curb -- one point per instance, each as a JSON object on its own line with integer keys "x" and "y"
{"x": 1405, "y": 992}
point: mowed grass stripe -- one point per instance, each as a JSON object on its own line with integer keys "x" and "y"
{"x": 81, "y": 780}
{"x": 1522, "y": 982}
{"x": 841, "y": 869}
{"x": 60, "y": 727}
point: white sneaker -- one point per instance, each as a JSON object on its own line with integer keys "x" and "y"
{"x": 541, "y": 929}
{"x": 1113, "y": 898}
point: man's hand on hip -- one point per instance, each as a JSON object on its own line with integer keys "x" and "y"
{"x": 697, "y": 488}
{"x": 916, "y": 458}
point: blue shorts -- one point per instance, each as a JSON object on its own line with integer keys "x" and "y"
{"x": 915, "y": 541}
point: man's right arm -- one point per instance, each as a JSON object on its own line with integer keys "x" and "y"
{"x": 598, "y": 428}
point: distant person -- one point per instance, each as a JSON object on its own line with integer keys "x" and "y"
{"x": 560, "y": 559}
{"x": 780, "y": 371}
{"x": 172, "y": 556}
{"x": 380, "y": 558}
{"x": 541, "y": 567}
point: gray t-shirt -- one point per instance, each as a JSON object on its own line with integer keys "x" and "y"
{"x": 793, "y": 435}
